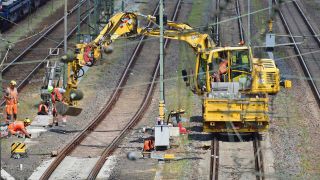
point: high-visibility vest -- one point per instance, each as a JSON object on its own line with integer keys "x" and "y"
{"x": 16, "y": 126}
{"x": 41, "y": 106}
{"x": 12, "y": 96}
{"x": 56, "y": 95}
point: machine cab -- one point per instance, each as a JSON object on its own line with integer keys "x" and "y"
{"x": 236, "y": 64}
{"x": 226, "y": 64}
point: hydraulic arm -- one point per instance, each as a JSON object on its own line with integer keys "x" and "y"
{"x": 125, "y": 24}
{"x": 234, "y": 84}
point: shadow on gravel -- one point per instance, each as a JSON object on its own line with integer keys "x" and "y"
{"x": 62, "y": 131}
{"x": 232, "y": 137}
{"x": 196, "y": 129}
{"x": 139, "y": 140}
{"x": 196, "y": 119}
{"x": 188, "y": 158}
{"x": 200, "y": 137}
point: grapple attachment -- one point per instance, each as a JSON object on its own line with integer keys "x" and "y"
{"x": 65, "y": 109}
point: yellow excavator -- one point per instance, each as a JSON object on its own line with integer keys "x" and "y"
{"x": 234, "y": 85}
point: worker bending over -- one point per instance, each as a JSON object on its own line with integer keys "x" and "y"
{"x": 20, "y": 127}
{"x": 11, "y": 97}
{"x": 43, "y": 108}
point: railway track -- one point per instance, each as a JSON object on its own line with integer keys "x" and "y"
{"x": 296, "y": 24}
{"x": 99, "y": 139}
{"x": 217, "y": 26}
{"x": 230, "y": 9}
{"x": 214, "y": 159}
{"x": 235, "y": 156}
{"x": 258, "y": 156}
{"x": 38, "y": 49}
{"x": 240, "y": 26}
{"x": 232, "y": 157}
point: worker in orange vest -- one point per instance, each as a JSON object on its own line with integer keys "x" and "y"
{"x": 20, "y": 127}
{"x": 56, "y": 95}
{"x": 43, "y": 109}
{"x": 11, "y": 101}
{"x": 148, "y": 144}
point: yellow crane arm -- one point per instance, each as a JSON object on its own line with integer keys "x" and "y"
{"x": 124, "y": 24}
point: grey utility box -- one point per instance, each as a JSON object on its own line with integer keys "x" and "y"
{"x": 270, "y": 42}
{"x": 162, "y": 135}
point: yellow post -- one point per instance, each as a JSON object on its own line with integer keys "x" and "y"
{"x": 161, "y": 110}
{"x": 270, "y": 25}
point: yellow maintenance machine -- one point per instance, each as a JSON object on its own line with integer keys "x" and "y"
{"x": 234, "y": 84}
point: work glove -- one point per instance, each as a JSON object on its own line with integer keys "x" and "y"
{"x": 29, "y": 137}
{"x": 19, "y": 135}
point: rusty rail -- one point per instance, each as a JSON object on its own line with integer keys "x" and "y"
{"x": 241, "y": 32}
{"x": 302, "y": 61}
{"x": 139, "y": 114}
{"x": 29, "y": 76}
{"x": 258, "y": 157}
{"x": 103, "y": 113}
{"x": 214, "y": 159}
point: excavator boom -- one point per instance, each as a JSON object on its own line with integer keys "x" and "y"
{"x": 234, "y": 84}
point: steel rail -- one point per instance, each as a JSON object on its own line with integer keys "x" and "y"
{"x": 241, "y": 33}
{"x": 107, "y": 108}
{"x": 217, "y": 27}
{"x": 258, "y": 157}
{"x": 51, "y": 27}
{"x": 25, "y": 51}
{"x": 138, "y": 115}
{"x": 300, "y": 56}
{"x": 310, "y": 27}
{"x": 214, "y": 159}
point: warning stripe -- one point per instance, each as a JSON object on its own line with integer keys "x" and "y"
{"x": 17, "y": 145}
{"x": 14, "y": 146}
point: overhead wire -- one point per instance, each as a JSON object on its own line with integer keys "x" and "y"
{"x": 194, "y": 28}
{"x": 152, "y": 38}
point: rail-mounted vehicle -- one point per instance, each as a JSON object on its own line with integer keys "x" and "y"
{"x": 233, "y": 83}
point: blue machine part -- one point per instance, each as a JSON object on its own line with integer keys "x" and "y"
{"x": 12, "y": 11}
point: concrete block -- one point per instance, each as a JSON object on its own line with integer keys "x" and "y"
{"x": 174, "y": 131}
{"x": 42, "y": 120}
{"x": 41, "y": 169}
{"x": 5, "y": 175}
{"x": 35, "y": 131}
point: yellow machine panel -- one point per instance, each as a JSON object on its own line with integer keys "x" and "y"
{"x": 234, "y": 84}
{"x": 235, "y": 115}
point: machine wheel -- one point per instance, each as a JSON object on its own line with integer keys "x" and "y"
{"x": 36, "y": 4}
{"x": 14, "y": 17}
{"x": 25, "y": 10}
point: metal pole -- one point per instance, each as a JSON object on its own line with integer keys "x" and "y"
{"x": 270, "y": 9}
{"x": 161, "y": 102}
{"x": 249, "y": 33}
{"x": 65, "y": 66}
{"x": 78, "y": 22}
